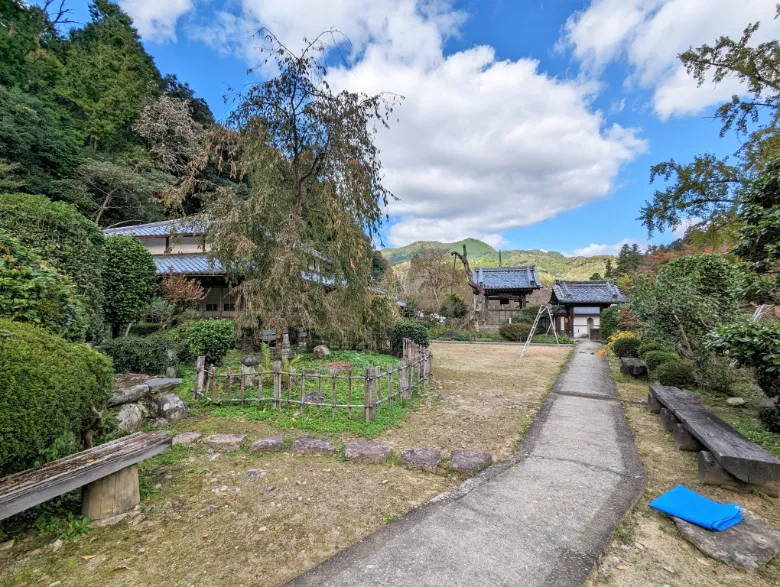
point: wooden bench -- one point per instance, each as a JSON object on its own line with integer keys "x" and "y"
{"x": 108, "y": 474}
{"x": 740, "y": 457}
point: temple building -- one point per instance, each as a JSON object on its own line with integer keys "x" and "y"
{"x": 577, "y": 306}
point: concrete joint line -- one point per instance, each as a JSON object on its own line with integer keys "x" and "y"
{"x": 584, "y": 395}
{"x": 576, "y": 462}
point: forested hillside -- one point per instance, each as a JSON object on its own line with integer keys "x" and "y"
{"x": 87, "y": 118}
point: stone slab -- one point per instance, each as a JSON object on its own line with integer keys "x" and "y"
{"x": 163, "y": 384}
{"x": 224, "y": 441}
{"x": 187, "y": 438}
{"x": 268, "y": 444}
{"x": 427, "y": 459}
{"x": 470, "y": 461}
{"x": 128, "y": 395}
{"x": 312, "y": 446}
{"x": 748, "y": 545}
{"x": 367, "y": 452}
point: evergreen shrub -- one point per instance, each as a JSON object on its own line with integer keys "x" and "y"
{"x": 211, "y": 338}
{"x": 675, "y": 373}
{"x": 408, "y": 329}
{"x": 515, "y": 331}
{"x": 626, "y": 347}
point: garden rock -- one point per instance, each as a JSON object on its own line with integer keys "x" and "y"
{"x": 268, "y": 444}
{"x": 171, "y": 407}
{"x": 631, "y": 366}
{"x": 250, "y": 361}
{"x": 224, "y": 441}
{"x": 320, "y": 351}
{"x": 736, "y": 402}
{"x": 427, "y": 459}
{"x": 315, "y": 397}
{"x": 748, "y": 545}
{"x": 163, "y": 384}
{"x": 312, "y": 446}
{"x": 128, "y": 395}
{"x": 130, "y": 418}
{"x": 470, "y": 461}
{"x": 187, "y": 438}
{"x": 367, "y": 452}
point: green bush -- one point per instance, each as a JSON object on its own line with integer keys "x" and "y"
{"x": 770, "y": 418}
{"x": 144, "y": 328}
{"x": 179, "y": 338}
{"x": 517, "y": 331}
{"x": 528, "y": 314}
{"x": 65, "y": 239}
{"x": 608, "y": 322}
{"x": 675, "y": 373}
{"x": 130, "y": 280}
{"x": 627, "y": 347}
{"x": 453, "y": 306}
{"x": 211, "y": 338}
{"x": 649, "y": 347}
{"x": 32, "y": 291}
{"x": 46, "y": 390}
{"x": 408, "y": 329}
{"x": 655, "y": 359}
{"x": 136, "y": 354}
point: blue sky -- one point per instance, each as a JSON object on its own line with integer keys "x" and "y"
{"x": 528, "y": 124}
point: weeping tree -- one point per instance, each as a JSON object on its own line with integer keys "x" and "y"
{"x": 294, "y": 240}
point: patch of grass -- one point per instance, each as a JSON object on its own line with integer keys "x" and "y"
{"x": 748, "y": 425}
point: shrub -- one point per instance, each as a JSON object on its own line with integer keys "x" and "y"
{"x": 64, "y": 238}
{"x": 46, "y": 390}
{"x": 620, "y": 334}
{"x": 626, "y": 347}
{"x": 453, "y": 306}
{"x": 608, "y": 323}
{"x": 179, "y": 338}
{"x": 144, "y": 328}
{"x": 136, "y": 354}
{"x": 528, "y": 314}
{"x": 129, "y": 279}
{"x": 649, "y": 347}
{"x": 462, "y": 337}
{"x": 675, "y": 373}
{"x": 211, "y": 338}
{"x": 655, "y": 359}
{"x": 32, "y": 291}
{"x": 407, "y": 329}
{"x": 770, "y": 418}
{"x": 517, "y": 331}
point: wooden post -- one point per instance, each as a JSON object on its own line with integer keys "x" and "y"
{"x": 402, "y": 379}
{"x": 229, "y": 389}
{"x": 333, "y": 396}
{"x": 369, "y": 411}
{"x": 378, "y": 379}
{"x": 212, "y": 384}
{"x": 110, "y": 496}
{"x": 243, "y": 386}
{"x": 390, "y": 385}
{"x": 200, "y": 376}
{"x": 277, "y": 384}
{"x": 349, "y": 395}
{"x": 303, "y": 391}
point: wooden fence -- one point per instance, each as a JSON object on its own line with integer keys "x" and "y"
{"x": 320, "y": 389}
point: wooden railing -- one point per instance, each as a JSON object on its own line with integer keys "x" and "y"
{"x": 280, "y": 388}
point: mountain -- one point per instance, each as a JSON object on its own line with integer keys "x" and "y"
{"x": 549, "y": 264}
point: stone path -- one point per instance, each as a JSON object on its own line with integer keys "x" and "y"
{"x": 541, "y": 517}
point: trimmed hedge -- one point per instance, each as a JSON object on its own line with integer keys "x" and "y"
{"x": 137, "y": 354}
{"x": 46, "y": 390}
{"x": 626, "y": 347}
{"x": 608, "y": 322}
{"x": 649, "y": 347}
{"x": 411, "y": 330}
{"x": 675, "y": 373}
{"x": 516, "y": 331}
{"x": 655, "y": 359}
{"x": 211, "y": 338}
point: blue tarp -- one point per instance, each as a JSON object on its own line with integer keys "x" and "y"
{"x": 688, "y": 505}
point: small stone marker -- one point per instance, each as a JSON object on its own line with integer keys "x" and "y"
{"x": 163, "y": 384}
{"x": 187, "y": 438}
{"x": 320, "y": 351}
{"x": 470, "y": 461}
{"x": 632, "y": 366}
{"x": 367, "y": 452}
{"x": 312, "y": 446}
{"x": 736, "y": 402}
{"x": 250, "y": 361}
{"x": 224, "y": 441}
{"x": 748, "y": 545}
{"x": 268, "y": 444}
{"x": 427, "y": 459}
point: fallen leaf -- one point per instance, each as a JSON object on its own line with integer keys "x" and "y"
{"x": 86, "y": 557}
{"x": 621, "y": 567}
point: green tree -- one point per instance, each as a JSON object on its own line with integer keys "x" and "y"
{"x": 201, "y": 113}
{"x": 608, "y": 272}
{"x": 595, "y": 277}
{"x": 629, "y": 259}
{"x": 32, "y": 291}
{"x": 65, "y": 239}
{"x": 129, "y": 280}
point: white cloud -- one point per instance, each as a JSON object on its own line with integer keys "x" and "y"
{"x": 684, "y": 225}
{"x": 156, "y": 19}
{"x": 483, "y": 145}
{"x": 593, "y": 249}
{"x": 650, "y": 34}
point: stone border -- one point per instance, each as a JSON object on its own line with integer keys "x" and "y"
{"x": 506, "y": 342}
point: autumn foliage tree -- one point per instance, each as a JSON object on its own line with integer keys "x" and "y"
{"x": 181, "y": 293}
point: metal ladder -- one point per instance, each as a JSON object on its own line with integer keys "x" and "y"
{"x": 542, "y": 310}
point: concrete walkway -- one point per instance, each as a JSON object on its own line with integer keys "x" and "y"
{"x": 541, "y": 517}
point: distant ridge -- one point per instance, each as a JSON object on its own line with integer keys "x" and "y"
{"x": 551, "y": 263}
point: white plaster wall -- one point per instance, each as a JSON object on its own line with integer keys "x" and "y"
{"x": 155, "y": 245}
{"x": 186, "y": 244}
{"x": 581, "y": 325}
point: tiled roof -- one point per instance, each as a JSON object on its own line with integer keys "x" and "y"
{"x": 192, "y": 264}
{"x": 587, "y": 292}
{"x": 508, "y": 278}
{"x": 164, "y": 228}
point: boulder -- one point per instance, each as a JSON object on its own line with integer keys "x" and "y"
{"x": 130, "y": 418}
{"x": 225, "y": 442}
{"x": 314, "y": 397}
{"x": 748, "y": 545}
{"x": 268, "y": 444}
{"x": 163, "y": 384}
{"x": 735, "y": 402}
{"x": 631, "y": 366}
{"x": 171, "y": 407}
{"x": 128, "y": 395}
{"x": 250, "y": 361}
{"x": 427, "y": 459}
{"x": 470, "y": 461}
{"x": 320, "y": 351}
{"x": 311, "y": 446}
{"x": 187, "y": 438}
{"x": 367, "y": 452}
